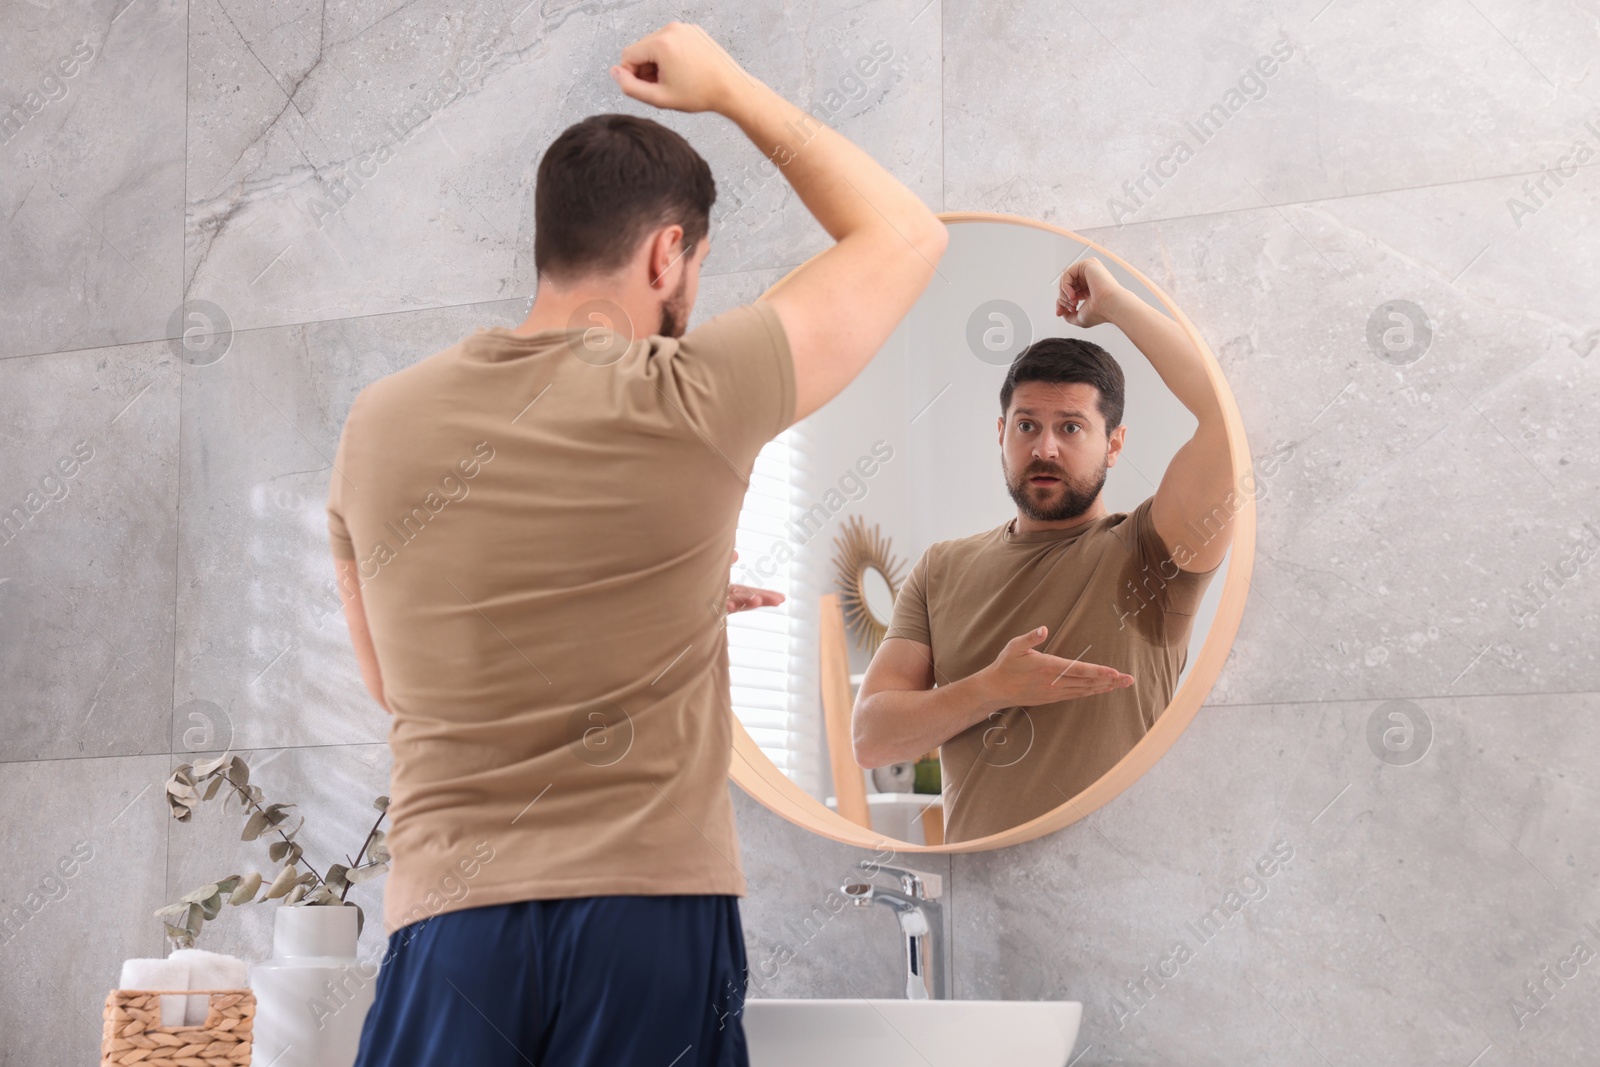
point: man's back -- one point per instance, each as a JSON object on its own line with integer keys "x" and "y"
{"x": 551, "y": 643}
{"x": 544, "y": 533}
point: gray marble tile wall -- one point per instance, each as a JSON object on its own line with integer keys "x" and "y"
{"x": 348, "y": 187}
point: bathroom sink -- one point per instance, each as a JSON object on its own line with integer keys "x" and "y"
{"x": 910, "y": 1033}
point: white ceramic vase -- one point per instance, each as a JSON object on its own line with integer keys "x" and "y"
{"x": 313, "y": 995}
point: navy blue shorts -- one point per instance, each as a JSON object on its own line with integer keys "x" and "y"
{"x": 608, "y": 981}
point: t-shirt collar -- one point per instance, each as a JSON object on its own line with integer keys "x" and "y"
{"x": 496, "y": 344}
{"x": 1009, "y": 535}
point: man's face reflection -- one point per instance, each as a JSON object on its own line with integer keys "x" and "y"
{"x": 1054, "y": 450}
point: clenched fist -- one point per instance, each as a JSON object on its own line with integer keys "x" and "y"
{"x": 1087, "y": 292}
{"x": 681, "y": 68}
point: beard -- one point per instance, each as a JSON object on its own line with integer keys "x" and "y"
{"x": 675, "y": 311}
{"x": 1067, "y": 499}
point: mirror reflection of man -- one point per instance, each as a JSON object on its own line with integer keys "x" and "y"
{"x": 1035, "y": 655}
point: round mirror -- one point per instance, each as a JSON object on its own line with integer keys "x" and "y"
{"x": 1022, "y": 461}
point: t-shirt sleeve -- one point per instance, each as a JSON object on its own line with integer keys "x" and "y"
{"x": 910, "y": 619}
{"x": 339, "y": 540}
{"x": 740, "y": 363}
{"x": 1179, "y": 591}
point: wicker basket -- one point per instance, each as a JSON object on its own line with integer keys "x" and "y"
{"x": 133, "y": 1032}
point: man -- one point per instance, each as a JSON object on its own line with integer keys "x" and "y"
{"x": 1055, "y": 639}
{"x": 527, "y": 528}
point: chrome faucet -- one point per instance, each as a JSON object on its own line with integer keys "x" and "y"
{"x": 921, "y": 919}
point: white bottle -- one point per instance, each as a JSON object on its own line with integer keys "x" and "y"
{"x": 313, "y": 995}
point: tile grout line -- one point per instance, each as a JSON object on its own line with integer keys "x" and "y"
{"x": 112, "y": 346}
{"x": 1213, "y": 707}
{"x": 1113, "y": 226}
{"x": 1208, "y": 706}
{"x": 1086, "y": 230}
{"x": 177, "y": 522}
{"x": 199, "y": 752}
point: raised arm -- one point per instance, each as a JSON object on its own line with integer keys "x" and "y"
{"x": 842, "y": 305}
{"x": 1194, "y": 490}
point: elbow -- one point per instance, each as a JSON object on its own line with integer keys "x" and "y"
{"x": 861, "y": 742}
{"x": 934, "y": 241}
{"x": 867, "y": 759}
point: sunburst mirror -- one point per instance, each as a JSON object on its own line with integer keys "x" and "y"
{"x": 868, "y": 580}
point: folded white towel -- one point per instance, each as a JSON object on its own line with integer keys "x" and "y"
{"x": 186, "y": 968}
{"x": 208, "y": 970}
{"x": 159, "y": 974}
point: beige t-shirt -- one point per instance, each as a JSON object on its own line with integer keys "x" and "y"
{"x": 544, "y": 530}
{"x": 1109, "y": 593}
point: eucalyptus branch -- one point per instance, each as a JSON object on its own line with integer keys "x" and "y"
{"x": 291, "y": 883}
{"x": 299, "y": 856}
{"x": 376, "y": 823}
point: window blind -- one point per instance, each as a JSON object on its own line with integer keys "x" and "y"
{"x": 772, "y": 664}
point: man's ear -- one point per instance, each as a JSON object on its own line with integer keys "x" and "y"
{"x": 666, "y": 251}
{"x": 1114, "y": 444}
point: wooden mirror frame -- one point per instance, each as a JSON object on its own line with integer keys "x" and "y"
{"x": 757, "y": 775}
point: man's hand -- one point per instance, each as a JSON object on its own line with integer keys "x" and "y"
{"x": 681, "y": 68}
{"x": 1088, "y": 294}
{"x": 1023, "y": 676}
{"x": 745, "y": 597}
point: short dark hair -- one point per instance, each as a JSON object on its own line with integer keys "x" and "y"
{"x": 1069, "y": 359}
{"x": 605, "y": 183}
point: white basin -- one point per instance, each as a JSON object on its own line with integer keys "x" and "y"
{"x": 910, "y": 1033}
